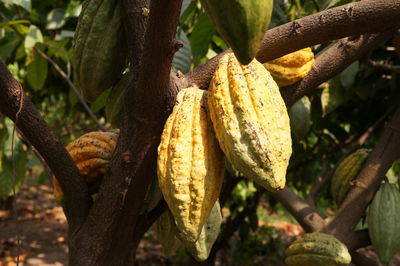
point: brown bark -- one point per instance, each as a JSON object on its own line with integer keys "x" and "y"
{"x": 18, "y": 107}
{"x": 306, "y": 215}
{"x": 108, "y": 234}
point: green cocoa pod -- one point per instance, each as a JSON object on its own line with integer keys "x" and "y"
{"x": 165, "y": 230}
{"x": 346, "y": 172}
{"x": 99, "y": 55}
{"x": 384, "y": 222}
{"x": 200, "y": 250}
{"x": 241, "y": 23}
{"x": 115, "y": 102}
{"x": 300, "y": 118}
{"x": 317, "y": 249}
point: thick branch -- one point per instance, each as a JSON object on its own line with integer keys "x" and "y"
{"x": 367, "y": 183}
{"x": 46, "y": 143}
{"x": 333, "y": 60}
{"x": 307, "y": 216}
{"x": 147, "y": 104}
{"x": 357, "y": 18}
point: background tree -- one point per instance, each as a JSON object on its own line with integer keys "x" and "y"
{"x": 357, "y": 73}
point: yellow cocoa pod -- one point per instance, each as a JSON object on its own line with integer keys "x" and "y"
{"x": 190, "y": 163}
{"x": 91, "y": 153}
{"x": 290, "y": 68}
{"x": 251, "y": 121}
{"x": 200, "y": 250}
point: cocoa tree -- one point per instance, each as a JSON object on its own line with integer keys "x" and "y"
{"x": 107, "y": 231}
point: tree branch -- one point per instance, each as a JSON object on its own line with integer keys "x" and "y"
{"x": 367, "y": 183}
{"x": 35, "y": 129}
{"x": 333, "y": 60}
{"x": 383, "y": 67}
{"x": 357, "y": 18}
{"x": 148, "y": 102}
{"x": 307, "y": 216}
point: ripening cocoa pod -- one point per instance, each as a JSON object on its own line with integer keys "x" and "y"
{"x": 200, "y": 250}
{"x": 317, "y": 249}
{"x": 190, "y": 163}
{"x": 300, "y": 118}
{"x": 290, "y": 68}
{"x": 346, "y": 172}
{"x": 91, "y": 153}
{"x": 241, "y": 23}
{"x": 165, "y": 230}
{"x": 251, "y": 121}
{"x": 100, "y": 51}
{"x": 384, "y": 222}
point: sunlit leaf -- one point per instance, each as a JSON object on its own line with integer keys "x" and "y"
{"x": 55, "y": 19}
{"x": 33, "y": 37}
{"x": 201, "y": 37}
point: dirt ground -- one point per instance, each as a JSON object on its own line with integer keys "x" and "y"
{"x": 41, "y": 230}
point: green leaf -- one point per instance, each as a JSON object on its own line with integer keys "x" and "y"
{"x": 201, "y": 37}
{"x": 7, "y": 49}
{"x": 33, "y": 37}
{"x": 101, "y": 101}
{"x": 72, "y": 98}
{"x": 348, "y": 76}
{"x": 332, "y": 96}
{"x": 73, "y": 9}
{"x": 185, "y": 4}
{"x": 37, "y": 72}
{"x": 183, "y": 58}
{"x": 56, "y": 19}
{"x": 26, "y": 4}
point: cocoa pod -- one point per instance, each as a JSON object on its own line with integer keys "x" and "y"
{"x": 100, "y": 51}
{"x": 346, "y": 172}
{"x": 300, "y": 118}
{"x": 251, "y": 121}
{"x": 290, "y": 68}
{"x": 241, "y": 23}
{"x": 201, "y": 249}
{"x": 384, "y": 222}
{"x": 91, "y": 153}
{"x": 190, "y": 163}
{"x": 317, "y": 249}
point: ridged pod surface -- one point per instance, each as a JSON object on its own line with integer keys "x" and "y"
{"x": 190, "y": 163}
{"x": 91, "y": 153}
{"x": 317, "y": 249}
{"x": 346, "y": 172}
{"x": 384, "y": 222}
{"x": 200, "y": 250}
{"x": 241, "y": 23}
{"x": 290, "y": 68}
{"x": 169, "y": 234}
{"x": 99, "y": 54}
{"x": 165, "y": 231}
{"x": 251, "y": 121}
